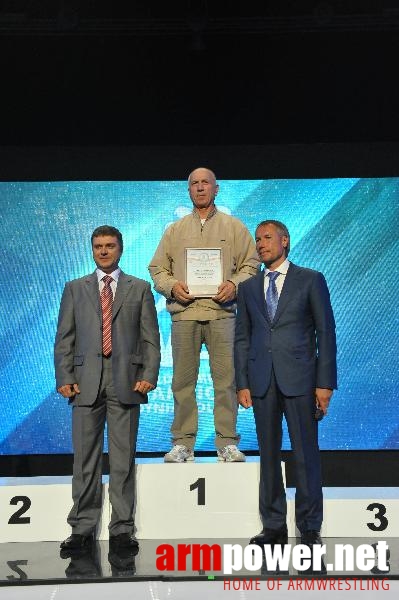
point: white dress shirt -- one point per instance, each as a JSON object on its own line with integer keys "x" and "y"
{"x": 115, "y": 276}
{"x": 282, "y": 269}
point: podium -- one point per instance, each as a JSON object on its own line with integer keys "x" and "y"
{"x": 205, "y": 499}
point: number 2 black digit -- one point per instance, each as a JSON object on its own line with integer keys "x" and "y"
{"x": 17, "y": 518}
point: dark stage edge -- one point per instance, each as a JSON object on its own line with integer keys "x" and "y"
{"x": 39, "y": 563}
{"x": 340, "y": 468}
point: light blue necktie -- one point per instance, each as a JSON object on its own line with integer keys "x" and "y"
{"x": 271, "y": 294}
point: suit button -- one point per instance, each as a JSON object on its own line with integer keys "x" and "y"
{"x": 269, "y": 350}
{"x": 99, "y": 355}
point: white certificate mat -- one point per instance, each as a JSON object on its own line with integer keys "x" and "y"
{"x": 204, "y": 271}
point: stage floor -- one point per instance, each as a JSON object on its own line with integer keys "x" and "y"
{"x": 36, "y": 563}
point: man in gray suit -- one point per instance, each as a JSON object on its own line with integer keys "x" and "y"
{"x": 285, "y": 362}
{"x": 107, "y": 357}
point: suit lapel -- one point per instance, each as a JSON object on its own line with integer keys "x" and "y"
{"x": 260, "y": 293}
{"x": 91, "y": 286}
{"x": 124, "y": 285}
{"x": 290, "y": 284}
{"x": 92, "y": 290}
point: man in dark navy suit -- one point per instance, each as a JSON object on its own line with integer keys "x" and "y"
{"x": 285, "y": 362}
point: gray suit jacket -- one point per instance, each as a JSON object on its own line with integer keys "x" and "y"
{"x": 299, "y": 344}
{"x": 135, "y": 338}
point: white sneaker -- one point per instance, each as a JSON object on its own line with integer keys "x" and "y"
{"x": 230, "y": 453}
{"x": 179, "y": 454}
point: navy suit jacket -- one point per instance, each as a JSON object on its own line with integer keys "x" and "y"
{"x": 299, "y": 344}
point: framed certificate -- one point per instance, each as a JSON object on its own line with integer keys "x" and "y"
{"x": 204, "y": 271}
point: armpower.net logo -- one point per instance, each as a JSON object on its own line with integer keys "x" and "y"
{"x": 231, "y": 560}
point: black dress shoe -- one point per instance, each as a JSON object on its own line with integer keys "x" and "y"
{"x": 311, "y": 537}
{"x": 77, "y": 541}
{"x": 122, "y": 561}
{"x": 271, "y": 536}
{"x": 124, "y": 540}
{"x": 84, "y": 563}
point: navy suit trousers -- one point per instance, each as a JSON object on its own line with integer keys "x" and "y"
{"x": 303, "y": 431}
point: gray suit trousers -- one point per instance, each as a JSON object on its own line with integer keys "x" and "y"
{"x": 88, "y": 424}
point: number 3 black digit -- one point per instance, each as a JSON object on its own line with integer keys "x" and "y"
{"x": 17, "y": 518}
{"x": 380, "y": 515}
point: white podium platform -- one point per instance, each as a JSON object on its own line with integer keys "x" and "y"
{"x": 204, "y": 499}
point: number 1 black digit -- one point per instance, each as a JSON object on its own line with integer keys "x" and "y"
{"x": 200, "y": 486}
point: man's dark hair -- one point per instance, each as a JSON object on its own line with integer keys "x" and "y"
{"x": 107, "y": 230}
{"x": 282, "y": 229}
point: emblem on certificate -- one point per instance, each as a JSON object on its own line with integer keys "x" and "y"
{"x": 204, "y": 272}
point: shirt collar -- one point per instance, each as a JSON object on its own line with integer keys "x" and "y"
{"x": 115, "y": 274}
{"x": 209, "y": 215}
{"x": 283, "y": 268}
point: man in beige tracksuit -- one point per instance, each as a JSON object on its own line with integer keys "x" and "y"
{"x": 198, "y": 320}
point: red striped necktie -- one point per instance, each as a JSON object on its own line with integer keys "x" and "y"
{"x": 106, "y": 298}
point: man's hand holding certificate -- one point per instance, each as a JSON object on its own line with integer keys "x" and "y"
{"x": 226, "y": 292}
{"x": 181, "y": 293}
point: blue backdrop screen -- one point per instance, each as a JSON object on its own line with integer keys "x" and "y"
{"x": 347, "y": 228}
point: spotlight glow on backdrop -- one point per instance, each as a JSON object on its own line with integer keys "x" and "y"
{"x": 347, "y": 228}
